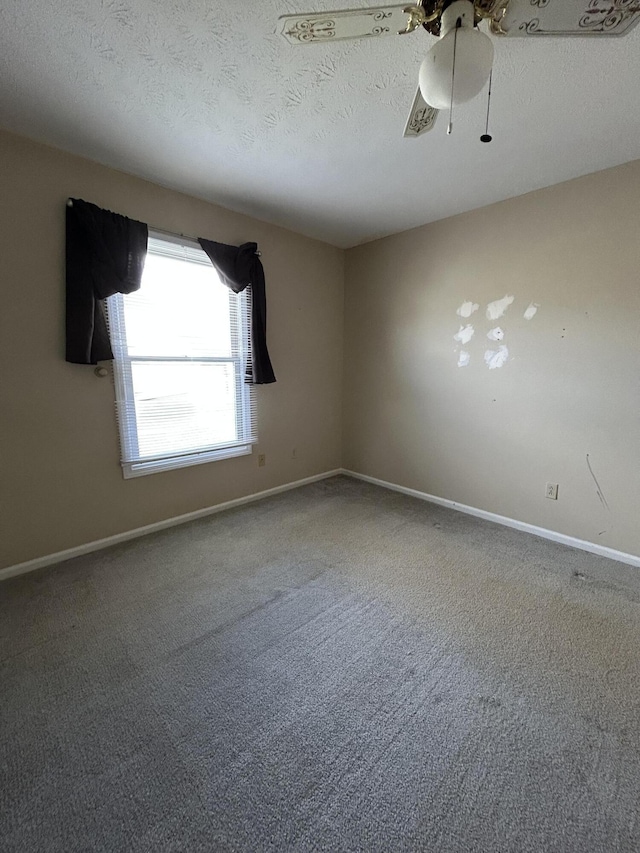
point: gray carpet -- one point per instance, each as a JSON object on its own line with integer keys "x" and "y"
{"x": 338, "y": 668}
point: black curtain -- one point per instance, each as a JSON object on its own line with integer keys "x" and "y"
{"x": 105, "y": 255}
{"x": 240, "y": 267}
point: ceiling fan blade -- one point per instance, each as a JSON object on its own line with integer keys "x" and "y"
{"x": 568, "y": 18}
{"x": 347, "y": 24}
{"x": 421, "y": 118}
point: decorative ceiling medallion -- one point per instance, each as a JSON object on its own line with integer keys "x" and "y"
{"x": 421, "y": 118}
{"x": 565, "y": 17}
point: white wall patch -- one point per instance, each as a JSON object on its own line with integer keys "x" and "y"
{"x": 531, "y": 311}
{"x": 464, "y": 334}
{"x": 467, "y": 309}
{"x": 497, "y": 309}
{"x": 464, "y": 359}
{"x": 495, "y": 334}
{"x": 496, "y": 358}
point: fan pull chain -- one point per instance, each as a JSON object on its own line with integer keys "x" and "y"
{"x": 486, "y": 136}
{"x": 453, "y": 74}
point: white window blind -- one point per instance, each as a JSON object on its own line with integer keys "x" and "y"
{"x": 180, "y": 347}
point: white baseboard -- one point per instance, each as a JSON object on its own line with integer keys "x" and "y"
{"x": 98, "y": 544}
{"x": 582, "y": 544}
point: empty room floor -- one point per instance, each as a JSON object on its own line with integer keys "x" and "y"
{"x": 335, "y": 668}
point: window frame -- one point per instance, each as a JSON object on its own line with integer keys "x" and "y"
{"x": 240, "y": 313}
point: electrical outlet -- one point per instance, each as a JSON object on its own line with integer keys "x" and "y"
{"x": 552, "y": 491}
{"x": 262, "y": 460}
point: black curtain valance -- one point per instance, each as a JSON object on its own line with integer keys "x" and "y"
{"x": 105, "y": 255}
{"x": 240, "y": 267}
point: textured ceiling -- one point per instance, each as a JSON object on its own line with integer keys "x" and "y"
{"x": 204, "y": 96}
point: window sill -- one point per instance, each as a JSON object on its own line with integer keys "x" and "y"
{"x": 140, "y": 469}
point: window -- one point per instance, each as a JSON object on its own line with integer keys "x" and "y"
{"x": 180, "y": 347}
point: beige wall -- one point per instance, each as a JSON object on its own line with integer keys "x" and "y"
{"x": 493, "y": 438}
{"x": 60, "y": 479}
{"x": 487, "y": 438}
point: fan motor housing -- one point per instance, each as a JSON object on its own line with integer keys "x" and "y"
{"x": 433, "y": 10}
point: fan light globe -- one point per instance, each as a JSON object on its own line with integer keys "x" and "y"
{"x": 474, "y": 60}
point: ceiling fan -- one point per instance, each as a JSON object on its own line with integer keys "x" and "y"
{"x": 459, "y": 64}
